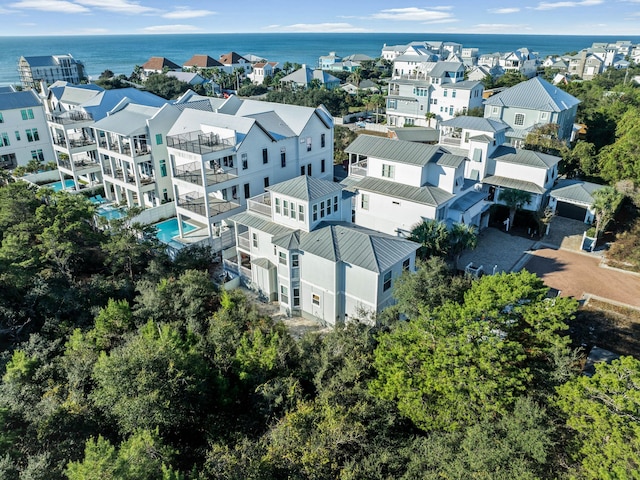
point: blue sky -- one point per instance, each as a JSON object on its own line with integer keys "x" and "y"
{"x": 83, "y": 17}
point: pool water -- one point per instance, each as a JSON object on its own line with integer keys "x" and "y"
{"x": 169, "y": 228}
{"x": 110, "y": 213}
{"x": 57, "y": 186}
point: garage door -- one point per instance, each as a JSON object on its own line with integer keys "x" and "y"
{"x": 569, "y": 210}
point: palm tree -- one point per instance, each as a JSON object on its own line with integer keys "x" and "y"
{"x": 433, "y": 236}
{"x": 606, "y": 202}
{"x": 461, "y": 238}
{"x": 429, "y": 116}
{"x": 514, "y": 199}
{"x": 356, "y": 77}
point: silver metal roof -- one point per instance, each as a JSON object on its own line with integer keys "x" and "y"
{"x": 450, "y": 160}
{"x": 575, "y": 192}
{"x": 534, "y": 94}
{"x": 468, "y": 200}
{"x": 260, "y": 223}
{"x": 513, "y": 183}
{"x": 400, "y": 151}
{"x": 427, "y": 195}
{"x": 524, "y": 157}
{"x": 475, "y": 123}
{"x": 368, "y": 249}
{"x": 306, "y": 188}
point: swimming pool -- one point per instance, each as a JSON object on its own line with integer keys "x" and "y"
{"x": 69, "y": 184}
{"x": 169, "y": 228}
{"x": 110, "y": 213}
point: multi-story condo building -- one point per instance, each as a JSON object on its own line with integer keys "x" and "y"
{"x": 49, "y": 69}
{"x": 23, "y": 130}
{"x": 436, "y": 88}
{"x": 222, "y": 158}
{"x": 295, "y": 243}
{"x": 72, "y": 111}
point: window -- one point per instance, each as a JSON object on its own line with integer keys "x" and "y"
{"x": 301, "y": 213}
{"x": 466, "y": 137}
{"x": 335, "y": 204}
{"x": 32, "y": 134}
{"x": 285, "y": 208}
{"x": 247, "y": 190}
{"x": 386, "y": 281}
{"x": 309, "y": 169}
{"x": 282, "y": 258}
{"x": 5, "y": 140}
{"x": 163, "y": 168}
{"x": 265, "y": 155}
{"x": 433, "y": 101}
{"x": 254, "y": 237}
{"x": 322, "y": 209}
{"x": 453, "y": 94}
{"x": 388, "y": 170}
{"x": 445, "y": 93}
{"x": 308, "y": 144}
{"x": 37, "y": 155}
{"x": 303, "y": 170}
{"x": 284, "y": 294}
{"x": 27, "y": 114}
{"x": 17, "y": 135}
{"x": 158, "y": 139}
{"x": 266, "y": 182}
{"x": 364, "y": 201}
{"x": 277, "y": 205}
{"x": 283, "y": 158}
{"x": 494, "y": 110}
{"x": 315, "y": 299}
{"x": 295, "y": 260}
{"x": 322, "y": 165}
{"x": 315, "y": 212}
{"x": 296, "y": 297}
{"x": 234, "y": 192}
{"x": 322, "y": 139}
{"x": 392, "y": 103}
{"x": 293, "y": 210}
{"x": 543, "y": 115}
{"x": 406, "y": 264}
{"x": 2, "y": 121}
{"x": 245, "y": 162}
{"x": 518, "y": 119}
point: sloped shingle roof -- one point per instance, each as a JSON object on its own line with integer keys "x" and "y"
{"x": 202, "y": 61}
{"x": 158, "y": 63}
{"x": 231, "y": 58}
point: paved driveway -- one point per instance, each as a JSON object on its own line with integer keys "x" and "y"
{"x": 577, "y": 274}
{"x": 496, "y": 249}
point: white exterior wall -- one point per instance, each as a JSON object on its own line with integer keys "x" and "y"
{"x": 13, "y": 122}
{"x": 388, "y": 214}
{"x": 406, "y": 174}
{"x": 360, "y": 290}
{"x": 445, "y": 177}
{"x": 320, "y": 277}
{"x": 447, "y": 105}
{"x": 521, "y": 172}
{"x": 160, "y": 124}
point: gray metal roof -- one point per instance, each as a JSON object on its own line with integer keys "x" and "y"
{"x": 368, "y": 249}
{"x": 400, "y": 151}
{"x": 263, "y": 263}
{"x": 306, "y": 188}
{"x": 427, "y": 195}
{"x": 475, "y": 123}
{"x": 514, "y": 184}
{"x": 129, "y": 121}
{"x": 524, "y": 157}
{"x": 441, "y": 68}
{"x": 260, "y": 223}
{"x": 450, "y": 160}
{"x": 482, "y": 138}
{"x": 272, "y": 123}
{"x": 416, "y": 134}
{"x": 288, "y": 241}
{"x": 466, "y": 201}
{"x": 23, "y": 99}
{"x": 574, "y": 191}
{"x": 464, "y": 85}
{"x": 534, "y": 94}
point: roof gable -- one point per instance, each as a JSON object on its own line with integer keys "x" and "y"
{"x": 202, "y": 61}
{"x": 534, "y": 94}
{"x": 306, "y": 188}
{"x": 159, "y": 63}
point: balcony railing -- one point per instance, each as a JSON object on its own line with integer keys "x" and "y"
{"x": 359, "y": 169}
{"x": 192, "y": 173}
{"x": 453, "y": 141}
{"x": 70, "y": 118}
{"x": 260, "y": 204}
{"x": 81, "y": 164}
{"x": 244, "y": 242}
{"x": 198, "y": 142}
{"x": 195, "y": 202}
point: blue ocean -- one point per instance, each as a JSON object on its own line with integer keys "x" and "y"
{"x": 120, "y": 53}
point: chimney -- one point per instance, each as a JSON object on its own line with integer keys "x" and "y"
{"x": 44, "y": 90}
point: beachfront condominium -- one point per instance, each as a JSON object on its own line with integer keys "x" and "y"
{"x": 49, "y": 69}
{"x": 219, "y": 159}
{"x": 23, "y": 129}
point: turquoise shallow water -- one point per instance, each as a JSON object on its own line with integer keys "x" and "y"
{"x": 169, "y": 228}
{"x": 111, "y": 213}
{"x": 120, "y": 53}
{"x": 57, "y": 186}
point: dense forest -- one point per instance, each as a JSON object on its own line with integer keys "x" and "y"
{"x": 118, "y": 363}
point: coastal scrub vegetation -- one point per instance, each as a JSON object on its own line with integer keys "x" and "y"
{"x": 118, "y": 363}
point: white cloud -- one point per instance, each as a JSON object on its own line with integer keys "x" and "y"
{"x": 486, "y": 27}
{"x": 501, "y": 11}
{"x": 318, "y": 27}
{"x": 171, "y": 29}
{"x": 552, "y": 5}
{"x": 59, "y": 6}
{"x": 92, "y": 31}
{"x": 119, "y": 6}
{"x": 185, "y": 12}
{"x": 414, "y": 14}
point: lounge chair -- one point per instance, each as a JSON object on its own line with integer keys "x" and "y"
{"x": 100, "y": 199}
{"x": 94, "y": 200}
